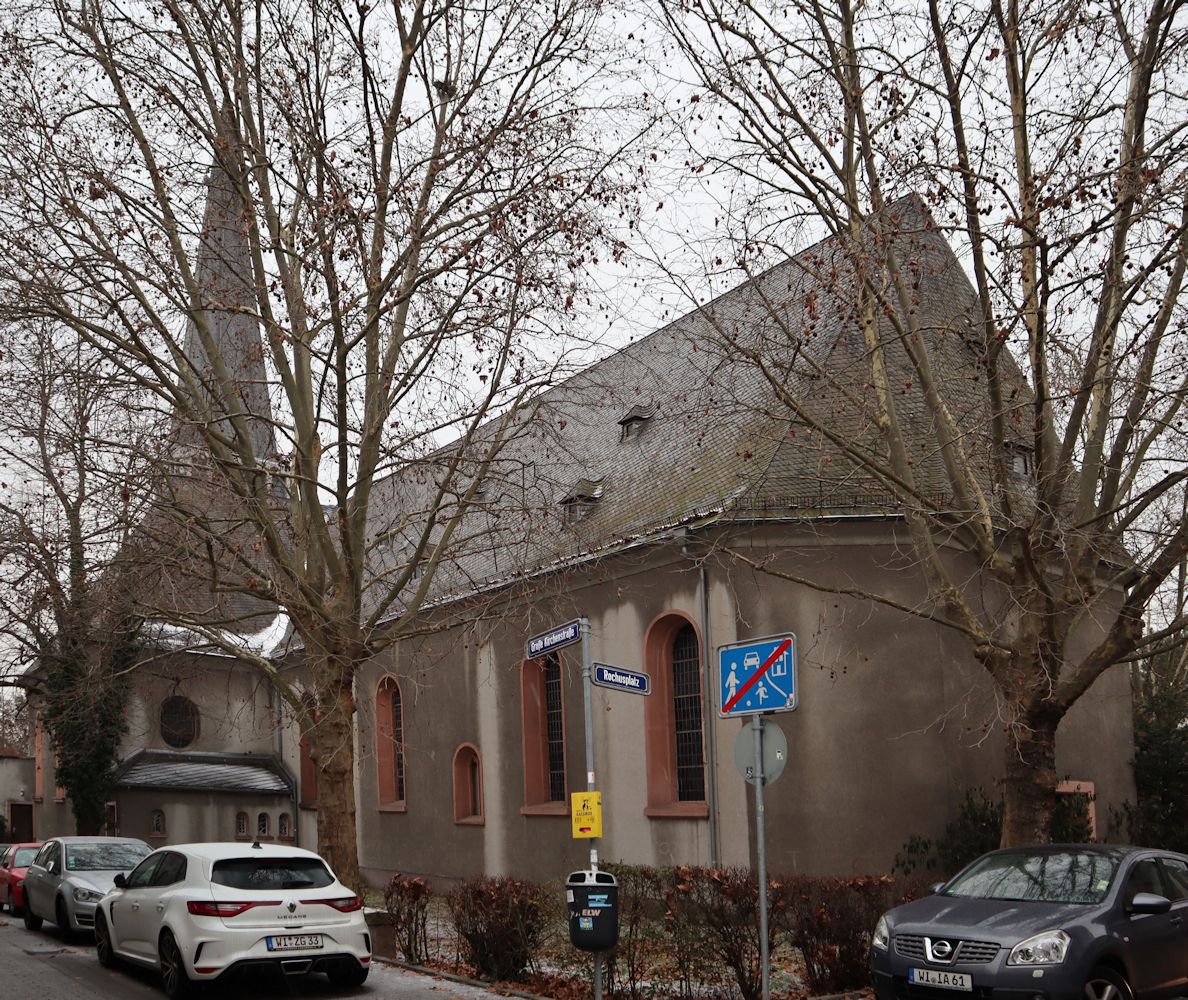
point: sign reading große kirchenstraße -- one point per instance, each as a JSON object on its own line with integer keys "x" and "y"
{"x": 555, "y": 638}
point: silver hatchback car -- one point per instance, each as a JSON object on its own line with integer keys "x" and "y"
{"x": 71, "y": 874}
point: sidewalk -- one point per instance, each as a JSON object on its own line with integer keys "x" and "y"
{"x": 397, "y": 982}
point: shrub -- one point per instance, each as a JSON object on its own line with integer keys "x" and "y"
{"x": 407, "y": 901}
{"x": 641, "y": 907}
{"x": 724, "y": 903}
{"x": 500, "y": 923}
{"x": 830, "y": 920}
{"x": 976, "y": 830}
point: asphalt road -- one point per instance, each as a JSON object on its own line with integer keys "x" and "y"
{"x": 38, "y": 966}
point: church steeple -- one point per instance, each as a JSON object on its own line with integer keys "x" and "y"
{"x": 228, "y": 306}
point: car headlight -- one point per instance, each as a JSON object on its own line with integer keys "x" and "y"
{"x": 1048, "y": 948}
{"x": 882, "y": 934}
{"x": 87, "y": 896}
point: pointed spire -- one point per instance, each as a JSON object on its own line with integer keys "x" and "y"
{"x": 227, "y": 298}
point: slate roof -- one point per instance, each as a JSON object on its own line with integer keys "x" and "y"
{"x": 719, "y": 443}
{"x": 223, "y": 271}
{"x": 237, "y": 773}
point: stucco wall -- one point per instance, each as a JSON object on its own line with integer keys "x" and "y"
{"x": 896, "y": 720}
{"x": 195, "y": 817}
{"x": 237, "y": 709}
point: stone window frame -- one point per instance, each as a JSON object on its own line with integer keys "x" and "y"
{"x": 170, "y": 720}
{"x": 660, "y": 742}
{"x": 391, "y": 762}
{"x": 534, "y": 727}
{"x": 467, "y": 770}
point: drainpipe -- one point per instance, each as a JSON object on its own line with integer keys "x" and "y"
{"x": 278, "y": 719}
{"x": 707, "y": 686}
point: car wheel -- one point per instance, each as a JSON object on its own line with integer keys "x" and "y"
{"x": 103, "y": 949}
{"x": 174, "y": 977}
{"x": 347, "y": 972}
{"x": 1106, "y": 984}
{"x": 62, "y": 919}
{"x": 32, "y": 922}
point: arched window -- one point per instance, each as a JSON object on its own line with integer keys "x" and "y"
{"x": 241, "y": 825}
{"x": 389, "y": 744}
{"x": 284, "y": 827}
{"x": 543, "y": 722}
{"x": 308, "y": 791}
{"x": 674, "y": 720}
{"x": 157, "y": 823}
{"x": 263, "y": 825}
{"x": 468, "y": 785}
{"x": 179, "y": 722}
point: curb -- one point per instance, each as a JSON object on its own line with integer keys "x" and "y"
{"x": 508, "y": 991}
{"x": 453, "y": 977}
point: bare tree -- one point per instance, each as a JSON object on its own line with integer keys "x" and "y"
{"x": 401, "y": 205}
{"x": 72, "y": 453}
{"x": 1025, "y": 421}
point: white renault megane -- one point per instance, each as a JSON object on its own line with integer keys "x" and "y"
{"x": 199, "y": 911}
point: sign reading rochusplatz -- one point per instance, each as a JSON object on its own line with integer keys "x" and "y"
{"x": 621, "y": 679}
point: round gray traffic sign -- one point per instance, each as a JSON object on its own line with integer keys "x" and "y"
{"x": 775, "y": 753}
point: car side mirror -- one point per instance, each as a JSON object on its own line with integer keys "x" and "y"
{"x": 936, "y": 887}
{"x": 52, "y": 867}
{"x": 120, "y": 882}
{"x": 1148, "y": 902}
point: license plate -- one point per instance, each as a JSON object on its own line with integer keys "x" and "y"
{"x": 289, "y": 942}
{"x": 932, "y": 977}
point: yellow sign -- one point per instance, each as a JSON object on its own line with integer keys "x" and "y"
{"x": 586, "y": 812}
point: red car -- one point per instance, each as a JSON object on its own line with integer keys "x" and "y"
{"x": 14, "y": 861}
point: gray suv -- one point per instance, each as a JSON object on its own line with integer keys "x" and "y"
{"x": 1058, "y": 922}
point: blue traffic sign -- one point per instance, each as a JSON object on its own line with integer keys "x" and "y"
{"x": 757, "y": 676}
{"x": 555, "y": 638}
{"x": 634, "y": 681}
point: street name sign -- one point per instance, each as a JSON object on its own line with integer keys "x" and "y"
{"x": 555, "y": 638}
{"x": 620, "y": 679}
{"x": 757, "y": 676}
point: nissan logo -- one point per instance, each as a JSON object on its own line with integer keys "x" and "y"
{"x": 942, "y": 949}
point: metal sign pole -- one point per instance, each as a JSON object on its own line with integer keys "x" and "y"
{"x": 588, "y": 712}
{"x": 761, "y": 839}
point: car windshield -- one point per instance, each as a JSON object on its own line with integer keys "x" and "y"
{"x": 100, "y": 857}
{"x": 24, "y": 857}
{"x": 271, "y": 873}
{"x": 1040, "y": 876}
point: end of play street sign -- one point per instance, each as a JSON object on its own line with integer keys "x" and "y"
{"x": 758, "y": 676}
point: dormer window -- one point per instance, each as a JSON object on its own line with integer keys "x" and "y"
{"x": 633, "y": 422}
{"x": 581, "y": 499}
{"x": 1022, "y": 460}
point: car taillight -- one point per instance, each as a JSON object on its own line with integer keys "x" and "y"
{"x": 206, "y": 908}
{"x": 345, "y": 904}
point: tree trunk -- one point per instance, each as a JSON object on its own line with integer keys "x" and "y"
{"x": 88, "y": 823}
{"x": 1029, "y": 785}
{"x": 333, "y": 747}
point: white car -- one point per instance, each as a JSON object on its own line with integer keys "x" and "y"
{"x": 199, "y": 911}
